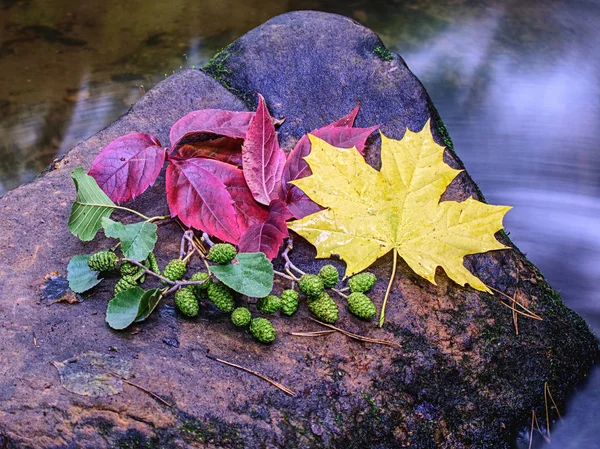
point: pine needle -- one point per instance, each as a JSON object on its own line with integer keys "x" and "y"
{"x": 255, "y": 373}
{"x": 356, "y": 336}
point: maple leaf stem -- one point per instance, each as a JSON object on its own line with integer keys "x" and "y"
{"x": 389, "y": 287}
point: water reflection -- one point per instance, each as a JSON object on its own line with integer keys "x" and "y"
{"x": 517, "y": 84}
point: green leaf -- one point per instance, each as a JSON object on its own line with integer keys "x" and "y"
{"x": 81, "y": 277}
{"x": 130, "y": 306}
{"x": 148, "y": 303}
{"x": 251, "y": 274}
{"x": 137, "y": 239}
{"x": 123, "y": 309}
{"x": 90, "y": 206}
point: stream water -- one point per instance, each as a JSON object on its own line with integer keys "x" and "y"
{"x": 517, "y": 84}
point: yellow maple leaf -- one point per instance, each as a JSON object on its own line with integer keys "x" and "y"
{"x": 370, "y": 213}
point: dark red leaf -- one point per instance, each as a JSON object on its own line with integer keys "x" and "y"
{"x": 348, "y": 120}
{"x": 201, "y": 200}
{"x": 296, "y": 167}
{"x": 262, "y": 158}
{"x": 215, "y": 122}
{"x": 248, "y": 211}
{"x": 128, "y": 165}
{"x": 225, "y": 149}
{"x": 267, "y": 237}
{"x": 211, "y": 133}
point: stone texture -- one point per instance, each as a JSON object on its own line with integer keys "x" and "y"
{"x": 461, "y": 379}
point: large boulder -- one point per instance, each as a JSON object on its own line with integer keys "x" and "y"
{"x": 462, "y": 377}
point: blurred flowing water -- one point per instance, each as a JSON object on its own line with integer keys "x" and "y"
{"x": 517, "y": 84}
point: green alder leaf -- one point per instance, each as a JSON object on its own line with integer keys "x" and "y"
{"x": 131, "y": 305}
{"x": 81, "y": 277}
{"x": 90, "y": 206}
{"x": 123, "y": 309}
{"x": 250, "y": 274}
{"x": 148, "y": 303}
{"x": 137, "y": 239}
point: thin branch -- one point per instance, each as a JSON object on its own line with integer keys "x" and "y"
{"x": 389, "y": 287}
{"x": 257, "y": 374}
{"x": 285, "y": 276}
{"x": 207, "y": 240}
{"x": 150, "y": 272}
{"x": 175, "y": 284}
{"x": 286, "y": 256}
{"x": 547, "y": 414}
{"x": 356, "y": 336}
{"x": 339, "y": 292}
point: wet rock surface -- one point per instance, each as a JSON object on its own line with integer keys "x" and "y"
{"x": 462, "y": 377}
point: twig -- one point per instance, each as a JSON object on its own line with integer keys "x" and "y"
{"x": 286, "y": 256}
{"x": 182, "y": 246}
{"x": 150, "y": 272}
{"x": 358, "y": 337}
{"x": 176, "y": 284}
{"x": 272, "y": 382}
{"x": 155, "y": 396}
{"x": 207, "y": 240}
{"x": 339, "y": 292}
{"x": 285, "y": 276}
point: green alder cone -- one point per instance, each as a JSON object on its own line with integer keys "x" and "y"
{"x": 175, "y": 270}
{"x": 361, "y": 306}
{"x": 241, "y": 317}
{"x": 269, "y": 304}
{"x": 103, "y": 261}
{"x": 289, "y": 302}
{"x": 324, "y": 308}
{"x": 221, "y": 296}
{"x": 200, "y": 289}
{"x": 330, "y": 276}
{"x": 311, "y": 285}
{"x": 152, "y": 264}
{"x": 262, "y": 330}
{"x": 186, "y": 302}
{"x": 362, "y": 282}
{"x": 222, "y": 253}
{"x": 129, "y": 269}
{"x": 125, "y": 283}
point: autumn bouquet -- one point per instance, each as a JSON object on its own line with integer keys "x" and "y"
{"x": 227, "y": 179}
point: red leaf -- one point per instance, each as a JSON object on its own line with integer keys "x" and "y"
{"x": 262, "y": 158}
{"x": 248, "y": 211}
{"x": 225, "y": 149}
{"x": 212, "y": 121}
{"x": 267, "y": 237}
{"x": 201, "y": 200}
{"x": 128, "y": 165}
{"x": 211, "y": 133}
{"x": 296, "y": 167}
{"x": 348, "y": 120}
